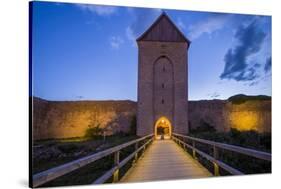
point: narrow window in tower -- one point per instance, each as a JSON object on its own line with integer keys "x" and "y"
{"x": 163, "y": 86}
{"x": 164, "y": 69}
{"x": 162, "y": 101}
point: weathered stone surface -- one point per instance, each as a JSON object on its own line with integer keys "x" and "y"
{"x": 223, "y": 115}
{"x": 71, "y": 119}
{"x": 251, "y": 115}
{"x": 162, "y": 77}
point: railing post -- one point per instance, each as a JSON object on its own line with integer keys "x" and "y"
{"x": 116, "y": 163}
{"x": 216, "y": 167}
{"x": 193, "y": 149}
{"x": 136, "y": 155}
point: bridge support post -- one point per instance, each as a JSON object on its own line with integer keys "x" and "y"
{"x": 184, "y": 147}
{"x": 116, "y": 162}
{"x": 143, "y": 150}
{"x": 193, "y": 150}
{"x": 216, "y": 167}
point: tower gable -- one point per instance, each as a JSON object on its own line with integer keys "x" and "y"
{"x": 163, "y": 29}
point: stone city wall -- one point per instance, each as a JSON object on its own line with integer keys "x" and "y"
{"x": 223, "y": 115}
{"x": 67, "y": 119}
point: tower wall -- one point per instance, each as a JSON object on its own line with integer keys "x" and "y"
{"x": 150, "y": 93}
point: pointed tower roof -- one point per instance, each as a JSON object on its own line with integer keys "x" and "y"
{"x": 163, "y": 29}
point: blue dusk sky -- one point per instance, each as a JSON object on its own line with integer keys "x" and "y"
{"x": 88, "y": 52}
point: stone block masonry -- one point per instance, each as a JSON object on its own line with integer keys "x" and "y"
{"x": 58, "y": 119}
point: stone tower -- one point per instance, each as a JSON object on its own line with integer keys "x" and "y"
{"x": 162, "y": 77}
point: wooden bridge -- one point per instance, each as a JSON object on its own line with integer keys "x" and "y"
{"x": 157, "y": 160}
{"x": 165, "y": 160}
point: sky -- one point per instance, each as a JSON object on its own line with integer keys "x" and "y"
{"x": 89, "y": 52}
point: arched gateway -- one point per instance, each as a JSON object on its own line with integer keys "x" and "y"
{"x": 163, "y": 128}
{"x": 162, "y": 80}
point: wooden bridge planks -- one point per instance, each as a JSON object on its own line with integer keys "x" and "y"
{"x": 165, "y": 160}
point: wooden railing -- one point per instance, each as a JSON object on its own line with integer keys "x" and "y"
{"x": 178, "y": 138}
{"x": 53, "y": 173}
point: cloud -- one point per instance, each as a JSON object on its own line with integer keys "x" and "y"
{"x": 115, "y": 42}
{"x": 214, "y": 95}
{"x": 209, "y": 25}
{"x": 180, "y": 24}
{"x": 250, "y": 39}
{"x": 98, "y": 9}
{"x": 268, "y": 65}
{"x": 142, "y": 19}
{"x": 214, "y": 22}
{"x": 131, "y": 36}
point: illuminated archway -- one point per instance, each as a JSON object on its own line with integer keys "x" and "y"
{"x": 163, "y": 128}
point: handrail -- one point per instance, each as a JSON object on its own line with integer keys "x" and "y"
{"x": 53, "y": 173}
{"x": 216, "y": 145}
{"x": 216, "y": 162}
{"x": 238, "y": 149}
{"x": 116, "y": 168}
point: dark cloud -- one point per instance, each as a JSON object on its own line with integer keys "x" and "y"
{"x": 253, "y": 83}
{"x": 250, "y": 39}
{"x": 257, "y": 65}
{"x": 80, "y": 97}
{"x": 267, "y": 66}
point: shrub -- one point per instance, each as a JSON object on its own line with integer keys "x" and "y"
{"x": 68, "y": 148}
{"x": 250, "y": 139}
{"x": 94, "y": 132}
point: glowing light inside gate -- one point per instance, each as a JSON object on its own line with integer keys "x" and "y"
{"x": 165, "y": 125}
